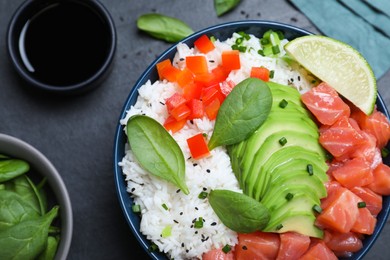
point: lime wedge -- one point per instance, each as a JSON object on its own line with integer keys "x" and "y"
{"x": 339, "y": 65}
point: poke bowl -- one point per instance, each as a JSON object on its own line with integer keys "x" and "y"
{"x": 38, "y": 184}
{"x": 125, "y": 191}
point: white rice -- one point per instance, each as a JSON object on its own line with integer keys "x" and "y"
{"x": 214, "y": 172}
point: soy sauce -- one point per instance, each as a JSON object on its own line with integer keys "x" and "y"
{"x": 64, "y": 44}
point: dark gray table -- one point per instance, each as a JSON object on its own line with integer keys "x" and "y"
{"x": 77, "y": 133}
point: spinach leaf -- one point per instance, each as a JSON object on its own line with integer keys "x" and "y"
{"x": 238, "y": 211}
{"x": 27, "y": 239}
{"x": 11, "y": 168}
{"x": 156, "y": 150}
{"x": 163, "y": 27}
{"x": 14, "y": 209}
{"x": 23, "y": 186}
{"x": 223, "y": 6}
{"x": 242, "y": 112}
{"x": 50, "y": 250}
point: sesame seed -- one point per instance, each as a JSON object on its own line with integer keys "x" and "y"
{"x": 213, "y": 224}
{"x": 244, "y": 248}
{"x": 175, "y": 221}
{"x": 178, "y": 191}
{"x": 208, "y": 171}
{"x": 182, "y": 244}
{"x": 195, "y": 164}
{"x": 196, "y": 208}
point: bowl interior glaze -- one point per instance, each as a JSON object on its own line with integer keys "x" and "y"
{"x": 222, "y": 32}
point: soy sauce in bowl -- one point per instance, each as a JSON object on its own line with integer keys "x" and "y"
{"x": 61, "y": 45}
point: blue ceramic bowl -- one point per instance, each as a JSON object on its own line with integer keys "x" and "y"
{"x": 222, "y": 32}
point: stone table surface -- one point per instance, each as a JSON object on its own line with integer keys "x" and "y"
{"x": 77, "y": 133}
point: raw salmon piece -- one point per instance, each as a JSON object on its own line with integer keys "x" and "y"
{"x": 373, "y": 200}
{"x": 354, "y": 173}
{"x": 381, "y": 183}
{"x": 257, "y": 246}
{"x": 342, "y": 138}
{"x": 331, "y": 188}
{"x": 319, "y": 251}
{"x": 369, "y": 151}
{"x": 292, "y": 245}
{"x": 325, "y": 104}
{"x": 365, "y": 223}
{"x": 376, "y": 124}
{"x": 218, "y": 254}
{"x": 342, "y": 244}
{"x": 341, "y": 213}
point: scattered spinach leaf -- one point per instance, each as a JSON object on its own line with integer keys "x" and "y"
{"x": 242, "y": 112}
{"x": 50, "y": 250}
{"x": 156, "y": 150}
{"x": 27, "y": 239}
{"x": 163, "y": 27}
{"x": 223, "y": 6}
{"x": 14, "y": 209}
{"x": 238, "y": 211}
{"x": 11, "y": 168}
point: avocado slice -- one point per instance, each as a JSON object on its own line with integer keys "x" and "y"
{"x": 256, "y": 176}
{"x": 271, "y": 125}
{"x": 300, "y": 222}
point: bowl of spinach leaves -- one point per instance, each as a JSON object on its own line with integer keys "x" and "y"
{"x": 35, "y": 210}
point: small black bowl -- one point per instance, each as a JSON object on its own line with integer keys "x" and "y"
{"x": 62, "y": 46}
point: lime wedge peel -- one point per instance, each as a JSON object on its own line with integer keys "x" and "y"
{"x": 339, "y": 65}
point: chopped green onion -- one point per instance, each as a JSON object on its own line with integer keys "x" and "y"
{"x": 317, "y": 208}
{"x": 245, "y": 35}
{"x": 167, "y": 231}
{"x": 164, "y": 206}
{"x": 153, "y": 247}
{"x": 283, "y": 141}
{"x": 239, "y": 40}
{"x": 226, "y": 249}
{"x": 261, "y": 52}
{"x": 329, "y": 156}
{"x": 279, "y": 227}
{"x": 289, "y": 196}
{"x": 136, "y": 208}
{"x": 361, "y": 204}
{"x": 283, "y": 103}
{"x": 275, "y": 49}
{"x": 198, "y": 223}
{"x": 280, "y": 35}
{"x": 264, "y": 41}
{"x": 204, "y": 134}
{"x": 309, "y": 169}
{"x": 385, "y": 152}
{"x": 202, "y": 195}
{"x": 271, "y": 74}
{"x": 212, "y": 38}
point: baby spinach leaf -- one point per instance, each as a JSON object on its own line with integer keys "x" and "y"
{"x": 23, "y": 186}
{"x": 242, "y": 112}
{"x": 156, "y": 150}
{"x": 11, "y": 168}
{"x": 223, "y": 6}
{"x": 27, "y": 239}
{"x": 14, "y": 209}
{"x": 238, "y": 211}
{"x": 163, "y": 27}
{"x": 50, "y": 250}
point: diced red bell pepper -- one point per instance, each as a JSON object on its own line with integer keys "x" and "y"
{"x": 181, "y": 112}
{"x": 198, "y": 146}
{"x": 214, "y": 77}
{"x": 211, "y": 93}
{"x": 231, "y": 60}
{"x": 171, "y": 124}
{"x": 197, "y": 64}
{"x": 174, "y": 101}
{"x": 184, "y": 77}
{"x": 204, "y": 44}
{"x": 260, "y": 73}
{"x": 167, "y": 71}
{"x": 196, "y": 107}
{"x": 226, "y": 87}
{"x": 212, "y": 109}
{"x": 192, "y": 91}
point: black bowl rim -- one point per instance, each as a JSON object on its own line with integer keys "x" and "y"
{"x": 85, "y": 85}
{"x": 40, "y": 161}
{"x": 124, "y": 197}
